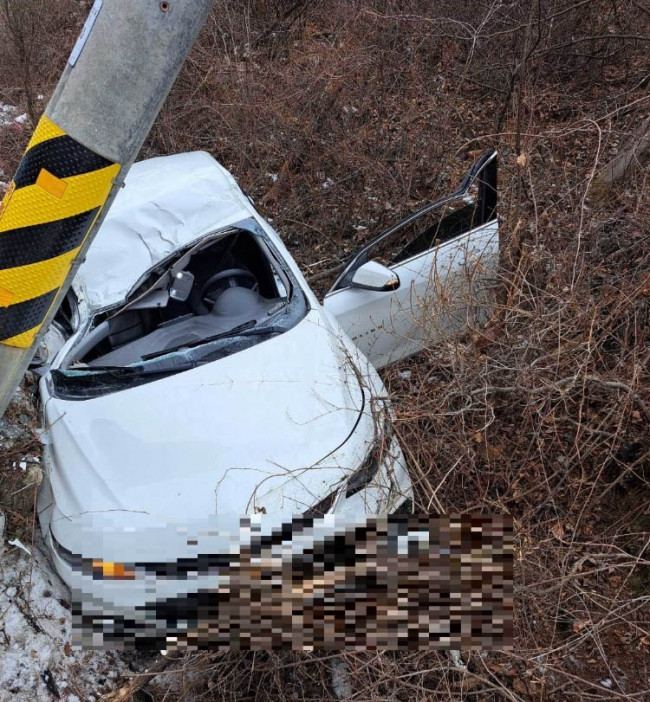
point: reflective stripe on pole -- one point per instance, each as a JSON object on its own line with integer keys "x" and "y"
{"x": 54, "y": 199}
{"x": 117, "y": 77}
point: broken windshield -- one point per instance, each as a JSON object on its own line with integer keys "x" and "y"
{"x": 228, "y": 294}
{"x": 88, "y": 382}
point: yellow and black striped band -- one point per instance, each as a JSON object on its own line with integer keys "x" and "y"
{"x": 58, "y": 191}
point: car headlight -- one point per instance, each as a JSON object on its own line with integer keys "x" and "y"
{"x": 373, "y": 461}
{"x": 100, "y": 570}
{"x": 108, "y": 570}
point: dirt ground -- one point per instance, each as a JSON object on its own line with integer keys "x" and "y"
{"x": 340, "y": 117}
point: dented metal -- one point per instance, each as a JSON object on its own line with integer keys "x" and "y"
{"x": 274, "y": 411}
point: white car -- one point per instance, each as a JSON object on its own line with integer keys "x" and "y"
{"x": 192, "y": 373}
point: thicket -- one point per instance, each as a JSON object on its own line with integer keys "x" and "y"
{"x": 339, "y": 117}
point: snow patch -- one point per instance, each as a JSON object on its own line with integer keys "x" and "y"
{"x": 35, "y": 638}
{"x": 9, "y": 115}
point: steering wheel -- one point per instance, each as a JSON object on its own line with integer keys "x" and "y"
{"x": 231, "y": 275}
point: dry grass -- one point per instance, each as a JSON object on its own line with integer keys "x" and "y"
{"x": 366, "y": 110}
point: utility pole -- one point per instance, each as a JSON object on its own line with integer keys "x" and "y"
{"x": 116, "y": 79}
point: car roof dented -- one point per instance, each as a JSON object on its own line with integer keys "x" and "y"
{"x": 167, "y": 202}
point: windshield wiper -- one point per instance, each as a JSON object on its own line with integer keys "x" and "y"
{"x": 135, "y": 370}
{"x": 122, "y": 372}
{"x": 257, "y": 331}
{"x": 199, "y": 342}
{"x": 245, "y": 329}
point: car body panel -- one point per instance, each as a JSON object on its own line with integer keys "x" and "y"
{"x": 440, "y": 292}
{"x": 166, "y": 203}
{"x": 273, "y": 428}
{"x": 200, "y": 441}
{"x": 445, "y": 285}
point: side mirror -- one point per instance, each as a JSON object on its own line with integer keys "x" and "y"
{"x": 374, "y": 276}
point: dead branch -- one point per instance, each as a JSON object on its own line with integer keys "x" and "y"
{"x": 631, "y": 155}
{"x": 138, "y": 682}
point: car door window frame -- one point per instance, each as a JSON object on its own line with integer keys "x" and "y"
{"x": 484, "y": 170}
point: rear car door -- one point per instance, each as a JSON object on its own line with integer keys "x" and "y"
{"x": 446, "y": 257}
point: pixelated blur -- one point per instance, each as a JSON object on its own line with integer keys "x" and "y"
{"x": 395, "y": 582}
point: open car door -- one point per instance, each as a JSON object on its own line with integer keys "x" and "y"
{"x": 427, "y": 277}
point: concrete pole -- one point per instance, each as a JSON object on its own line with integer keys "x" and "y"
{"x": 118, "y": 75}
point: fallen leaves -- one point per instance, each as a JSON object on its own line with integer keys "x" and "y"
{"x": 558, "y": 531}
{"x": 520, "y": 686}
{"x": 578, "y": 625}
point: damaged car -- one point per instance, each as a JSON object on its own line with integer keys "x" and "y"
{"x": 192, "y": 372}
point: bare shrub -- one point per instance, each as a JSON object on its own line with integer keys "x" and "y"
{"x": 340, "y": 117}
{"x": 36, "y": 37}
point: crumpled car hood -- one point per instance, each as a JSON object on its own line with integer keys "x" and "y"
{"x": 170, "y": 201}
{"x": 240, "y": 432}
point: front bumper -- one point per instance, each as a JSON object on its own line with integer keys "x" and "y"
{"x": 145, "y": 611}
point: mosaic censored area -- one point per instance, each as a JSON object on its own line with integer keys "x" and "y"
{"x": 397, "y": 582}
